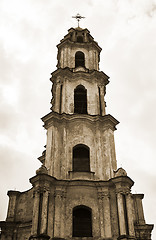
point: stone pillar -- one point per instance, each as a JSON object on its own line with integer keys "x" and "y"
{"x": 139, "y": 208}
{"x": 85, "y": 37}
{"x": 103, "y": 112}
{"x": 121, "y": 214}
{"x": 107, "y": 217}
{"x": 65, "y": 57}
{"x": 58, "y": 205}
{"x": 130, "y": 215}
{"x": 101, "y": 214}
{"x": 63, "y": 213}
{"x": 44, "y": 214}
{"x": 57, "y": 96}
{"x": 36, "y": 196}
{"x": 12, "y": 204}
{"x": 63, "y": 97}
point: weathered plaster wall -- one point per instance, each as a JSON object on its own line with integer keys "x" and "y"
{"x": 24, "y": 206}
{"x": 67, "y": 56}
{"x": 62, "y": 138}
{"x": 68, "y": 86}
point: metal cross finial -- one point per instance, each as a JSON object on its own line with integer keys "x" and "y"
{"x": 78, "y": 18}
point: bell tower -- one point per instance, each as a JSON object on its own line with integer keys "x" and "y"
{"x": 78, "y": 123}
{"x": 78, "y": 192}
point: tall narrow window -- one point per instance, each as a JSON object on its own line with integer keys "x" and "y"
{"x": 80, "y": 100}
{"x": 82, "y": 222}
{"x": 79, "y": 59}
{"x": 81, "y": 158}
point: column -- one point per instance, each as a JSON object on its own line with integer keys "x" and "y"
{"x": 58, "y": 205}
{"x": 139, "y": 208}
{"x": 121, "y": 214}
{"x": 102, "y": 100}
{"x": 57, "y": 96}
{"x": 63, "y": 214}
{"x": 107, "y": 217}
{"x": 51, "y": 212}
{"x": 64, "y": 97}
{"x": 130, "y": 215}
{"x": 36, "y": 196}
{"x": 44, "y": 214}
{"x": 101, "y": 214}
{"x": 13, "y": 195}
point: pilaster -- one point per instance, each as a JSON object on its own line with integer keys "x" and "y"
{"x": 44, "y": 213}
{"x": 121, "y": 214}
{"x": 103, "y": 111}
{"x": 130, "y": 215}
{"x": 63, "y": 214}
{"x": 57, "y": 96}
{"x": 58, "y": 207}
{"x": 100, "y": 199}
{"x": 123, "y": 186}
{"x": 35, "y": 217}
{"x": 139, "y": 208}
{"x": 107, "y": 217}
{"x": 13, "y": 196}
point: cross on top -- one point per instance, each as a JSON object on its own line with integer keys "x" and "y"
{"x": 78, "y": 18}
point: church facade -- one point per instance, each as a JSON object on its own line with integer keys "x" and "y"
{"x": 78, "y": 192}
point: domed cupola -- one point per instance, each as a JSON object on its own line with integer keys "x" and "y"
{"x": 78, "y": 51}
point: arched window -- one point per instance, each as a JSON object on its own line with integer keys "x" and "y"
{"x": 80, "y": 100}
{"x": 81, "y": 158}
{"x": 82, "y": 221}
{"x": 79, "y": 59}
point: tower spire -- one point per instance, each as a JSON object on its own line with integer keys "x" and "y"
{"x": 78, "y": 17}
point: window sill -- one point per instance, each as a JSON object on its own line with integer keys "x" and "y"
{"x": 81, "y": 175}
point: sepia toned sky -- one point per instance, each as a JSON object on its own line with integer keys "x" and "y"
{"x": 29, "y": 33}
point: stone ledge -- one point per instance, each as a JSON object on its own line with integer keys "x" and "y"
{"x": 108, "y": 121}
{"x": 39, "y": 237}
{"x": 81, "y": 175}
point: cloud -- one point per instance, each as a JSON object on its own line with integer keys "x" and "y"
{"x": 30, "y": 31}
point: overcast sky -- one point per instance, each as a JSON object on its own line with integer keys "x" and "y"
{"x": 29, "y": 33}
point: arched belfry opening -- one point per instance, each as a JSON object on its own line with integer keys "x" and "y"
{"x": 79, "y": 59}
{"x": 80, "y": 39}
{"x": 81, "y": 158}
{"x": 80, "y": 100}
{"x": 82, "y": 221}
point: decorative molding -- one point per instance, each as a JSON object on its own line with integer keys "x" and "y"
{"x": 122, "y": 191}
{"x": 100, "y": 77}
{"x": 60, "y": 193}
{"x": 41, "y": 189}
{"x": 110, "y": 121}
{"x": 102, "y": 195}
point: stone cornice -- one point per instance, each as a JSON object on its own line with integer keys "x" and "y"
{"x": 68, "y": 42}
{"x": 69, "y": 73}
{"x": 41, "y": 180}
{"x": 123, "y": 184}
{"x": 140, "y": 195}
{"x": 108, "y": 120}
{"x": 13, "y": 193}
